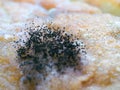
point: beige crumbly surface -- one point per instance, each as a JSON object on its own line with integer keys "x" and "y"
{"x": 9, "y": 72}
{"x": 100, "y": 33}
{"x": 12, "y": 17}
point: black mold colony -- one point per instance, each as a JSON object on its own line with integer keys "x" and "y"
{"x": 47, "y": 49}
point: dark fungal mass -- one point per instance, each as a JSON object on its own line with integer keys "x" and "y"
{"x": 47, "y": 49}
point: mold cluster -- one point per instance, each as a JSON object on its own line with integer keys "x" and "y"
{"x": 47, "y": 49}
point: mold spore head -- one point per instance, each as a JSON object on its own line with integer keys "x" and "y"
{"x": 48, "y": 49}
